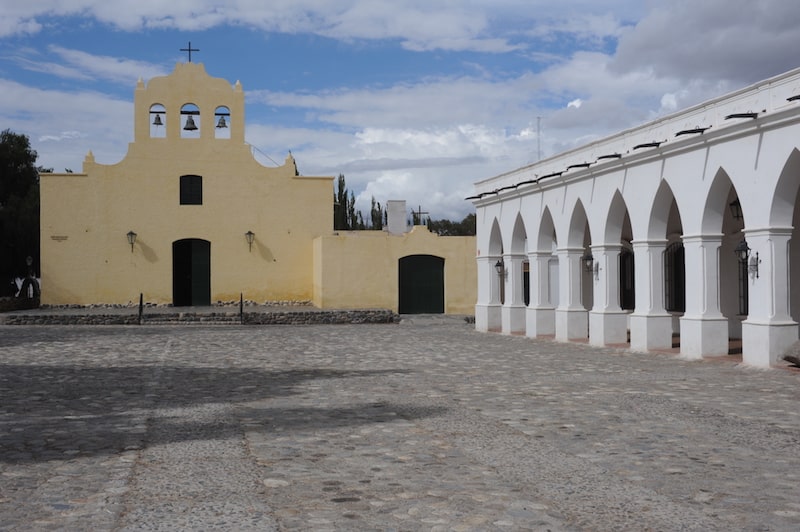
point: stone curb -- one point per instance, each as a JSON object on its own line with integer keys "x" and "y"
{"x": 315, "y": 317}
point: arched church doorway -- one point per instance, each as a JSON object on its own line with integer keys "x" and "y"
{"x": 191, "y": 272}
{"x": 421, "y": 287}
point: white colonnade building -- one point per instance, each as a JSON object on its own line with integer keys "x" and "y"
{"x": 681, "y": 231}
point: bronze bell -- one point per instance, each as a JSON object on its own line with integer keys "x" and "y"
{"x": 190, "y": 124}
{"x": 221, "y": 123}
{"x": 157, "y": 121}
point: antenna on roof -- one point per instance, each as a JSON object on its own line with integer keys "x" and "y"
{"x": 538, "y": 138}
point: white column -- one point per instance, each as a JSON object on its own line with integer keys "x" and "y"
{"x": 704, "y": 330}
{"x": 540, "y": 317}
{"x": 651, "y": 325}
{"x": 513, "y": 310}
{"x": 572, "y": 321}
{"x": 487, "y": 309}
{"x": 608, "y": 323}
{"x": 769, "y": 330}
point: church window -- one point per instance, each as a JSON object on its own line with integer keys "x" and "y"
{"x": 191, "y": 190}
{"x": 190, "y": 121}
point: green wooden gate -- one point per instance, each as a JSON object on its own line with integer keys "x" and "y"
{"x": 191, "y": 272}
{"x": 421, "y": 287}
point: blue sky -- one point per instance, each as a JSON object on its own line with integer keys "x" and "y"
{"x": 410, "y": 99}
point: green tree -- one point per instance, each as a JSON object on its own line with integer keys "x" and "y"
{"x": 465, "y": 227}
{"x": 352, "y": 215}
{"x": 345, "y": 215}
{"x": 376, "y": 215}
{"x": 340, "y": 205}
{"x": 19, "y": 207}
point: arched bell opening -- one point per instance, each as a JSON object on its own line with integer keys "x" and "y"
{"x": 222, "y": 123}
{"x": 158, "y": 121}
{"x": 190, "y": 121}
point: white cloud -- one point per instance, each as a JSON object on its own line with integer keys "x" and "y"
{"x": 420, "y": 25}
{"x": 82, "y": 66}
{"x": 64, "y": 135}
{"x": 588, "y": 27}
{"x": 115, "y": 69}
{"x": 425, "y": 140}
{"x": 63, "y": 126}
{"x": 736, "y": 40}
{"x": 428, "y": 103}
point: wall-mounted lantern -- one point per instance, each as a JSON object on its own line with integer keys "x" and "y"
{"x": 250, "y": 236}
{"x": 499, "y": 267}
{"x": 131, "y": 239}
{"x": 588, "y": 262}
{"x": 590, "y": 265}
{"x": 742, "y": 252}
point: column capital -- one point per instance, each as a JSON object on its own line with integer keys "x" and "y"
{"x": 700, "y": 239}
{"x": 539, "y": 254}
{"x": 568, "y": 251}
{"x": 768, "y": 231}
{"x": 656, "y": 242}
{"x": 606, "y": 247}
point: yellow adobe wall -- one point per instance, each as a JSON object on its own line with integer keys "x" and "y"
{"x": 85, "y": 217}
{"x": 359, "y": 269}
{"x": 295, "y": 256}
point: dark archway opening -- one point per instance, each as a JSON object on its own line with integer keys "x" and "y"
{"x": 675, "y": 278}
{"x": 627, "y": 292}
{"x": 191, "y": 272}
{"x": 421, "y": 287}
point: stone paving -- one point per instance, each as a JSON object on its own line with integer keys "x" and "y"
{"x": 422, "y": 425}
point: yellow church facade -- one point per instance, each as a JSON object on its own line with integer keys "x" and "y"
{"x": 190, "y": 217}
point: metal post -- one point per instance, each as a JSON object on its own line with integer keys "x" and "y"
{"x": 141, "y": 307}
{"x": 241, "y": 308}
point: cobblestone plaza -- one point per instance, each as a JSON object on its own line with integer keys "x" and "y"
{"x": 422, "y": 425}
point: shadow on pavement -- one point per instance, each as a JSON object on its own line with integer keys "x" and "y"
{"x": 60, "y": 412}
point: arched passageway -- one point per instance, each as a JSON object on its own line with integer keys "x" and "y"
{"x": 660, "y": 223}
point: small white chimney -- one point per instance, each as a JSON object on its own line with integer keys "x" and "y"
{"x": 396, "y": 217}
